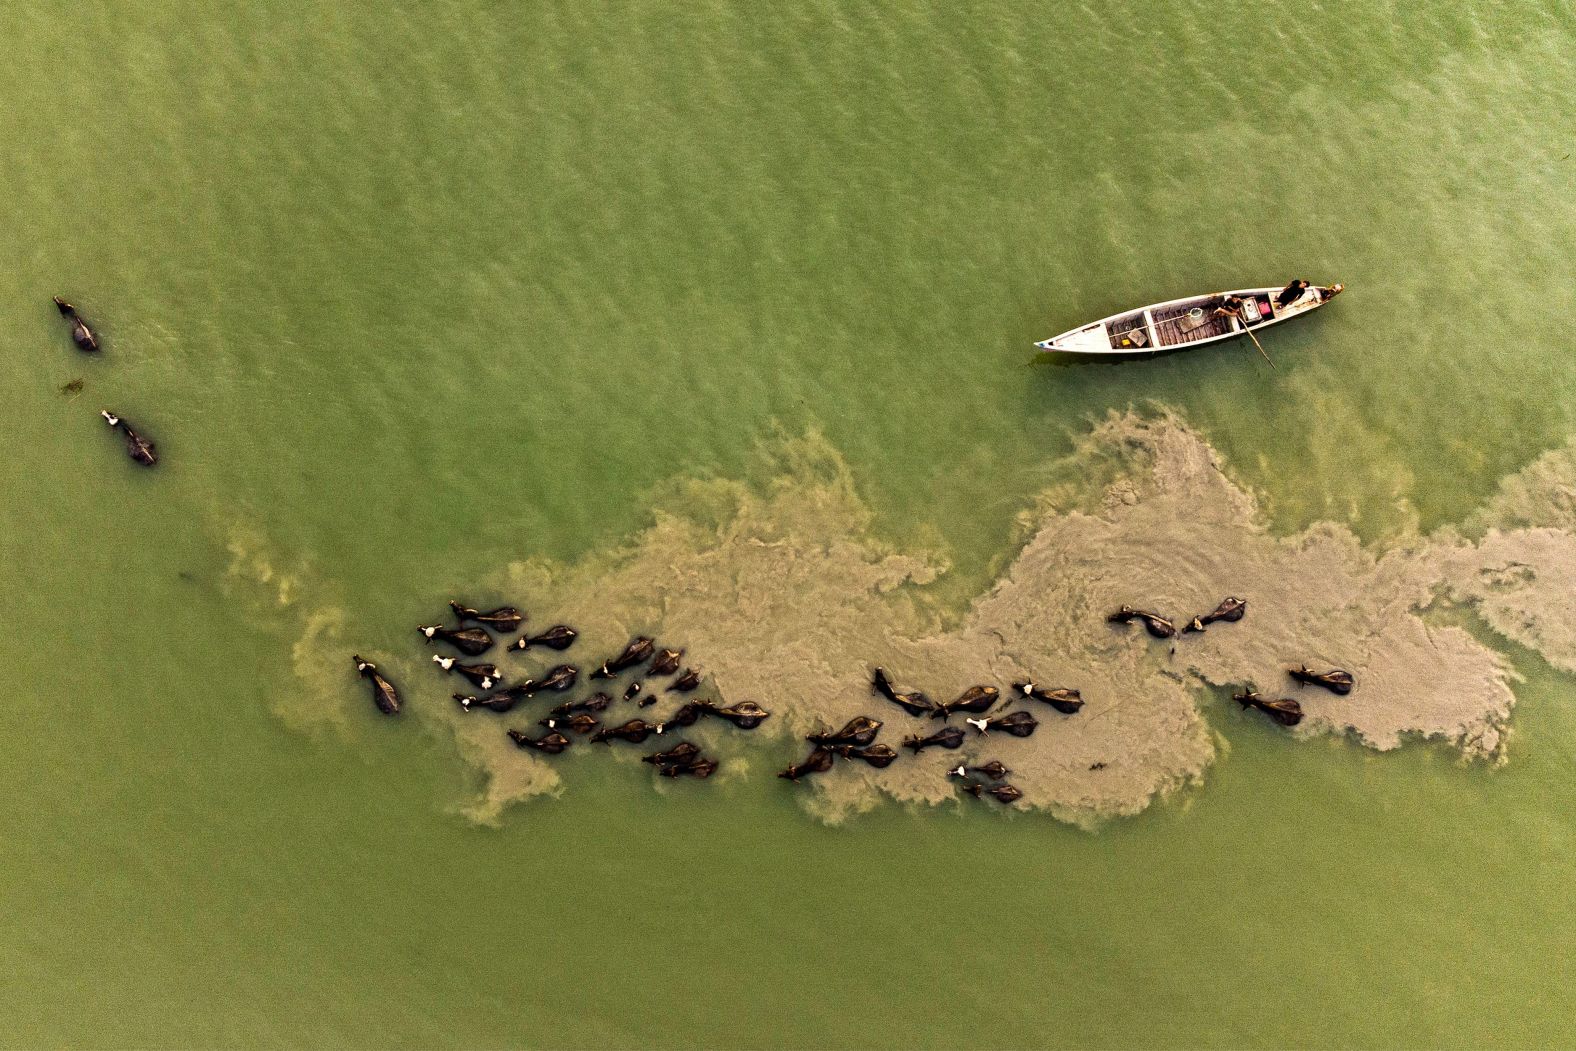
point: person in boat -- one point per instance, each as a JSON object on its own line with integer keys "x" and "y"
{"x": 1291, "y": 293}
{"x": 1231, "y": 306}
{"x": 1329, "y": 293}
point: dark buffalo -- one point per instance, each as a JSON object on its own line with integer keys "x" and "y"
{"x": 1065, "y": 701}
{"x": 946, "y": 737}
{"x": 975, "y": 699}
{"x": 1018, "y": 724}
{"x": 635, "y": 731}
{"x": 637, "y": 651}
{"x": 551, "y": 743}
{"x": 685, "y": 682}
{"x": 877, "y": 755}
{"x": 504, "y": 618}
{"x": 137, "y": 447}
{"x": 700, "y": 769}
{"x": 482, "y": 676}
{"x": 557, "y": 637}
{"x": 680, "y": 754}
{"x": 81, "y": 335}
{"x": 914, "y": 703}
{"x": 666, "y": 662}
{"x": 595, "y": 703}
{"x": 689, "y": 714}
{"x": 1286, "y": 712}
{"x": 1001, "y": 793}
{"x": 581, "y": 724}
{"x": 858, "y": 731}
{"x": 502, "y": 701}
{"x": 1230, "y": 610}
{"x": 383, "y": 693}
{"x": 1335, "y": 680}
{"x": 817, "y": 762}
{"x": 469, "y": 641}
{"x": 557, "y": 679}
{"x": 746, "y": 715}
{"x": 1154, "y": 623}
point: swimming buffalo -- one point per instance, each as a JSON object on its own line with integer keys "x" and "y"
{"x": 558, "y": 679}
{"x": 504, "y": 618}
{"x": 1154, "y": 623}
{"x": 637, "y": 651}
{"x": 482, "y": 676}
{"x": 683, "y": 752}
{"x": 551, "y": 743}
{"x": 818, "y": 761}
{"x": 595, "y": 703}
{"x": 1001, "y": 793}
{"x": 689, "y": 714}
{"x": 975, "y": 699}
{"x": 859, "y": 731}
{"x": 1065, "y": 701}
{"x": 682, "y": 760}
{"x": 700, "y": 769}
{"x": 557, "y": 637}
{"x": 383, "y": 693}
{"x": 1286, "y": 712}
{"x": 746, "y": 715}
{"x": 580, "y": 724}
{"x": 81, "y": 335}
{"x": 666, "y": 662}
{"x": 1335, "y": 680}
{"x": 470, "y": 641}
{"x": 502, "y": 701}
{"x": 137, "y": 447}
{"x": 635, "y": 731}
{"x": 1018, "y": 724}
{"x": 914, "y": 703}
{"x": 877, "y": 755}
{"x": 1230, "y": 610}
{"x": 685, "y": 682}
{"x": 946, "y": 737}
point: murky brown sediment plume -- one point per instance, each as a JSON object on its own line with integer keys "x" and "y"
{"x": 782, "y": 596}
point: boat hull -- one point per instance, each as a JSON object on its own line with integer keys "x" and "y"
{"x": 1182, "y": 324}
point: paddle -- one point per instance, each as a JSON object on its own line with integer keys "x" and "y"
{"x": 1243, "y": 315}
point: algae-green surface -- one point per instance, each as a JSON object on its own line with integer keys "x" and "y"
{"x": 405, "y": 294}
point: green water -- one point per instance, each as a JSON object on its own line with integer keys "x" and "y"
{"x": 404, "y": 296}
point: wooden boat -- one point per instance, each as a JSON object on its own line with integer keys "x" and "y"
{"x": 1181, "y": 324}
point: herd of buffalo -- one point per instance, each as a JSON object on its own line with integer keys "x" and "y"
{"x": 644, "y": 662}
{"x": 855, "y": 741}
{"x": 1285, "y": 711}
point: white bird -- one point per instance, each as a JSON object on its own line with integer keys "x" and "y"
{"x": 978, "y": 724}
{"x": 444, "y": 662}
{"x": 957, "y": 771}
